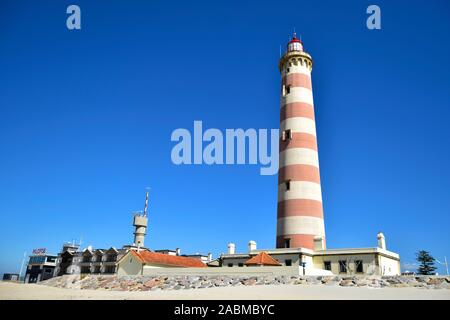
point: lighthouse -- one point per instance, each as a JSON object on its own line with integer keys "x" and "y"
{"x": 299, "y": 213}
{"x": 140, "y": 224}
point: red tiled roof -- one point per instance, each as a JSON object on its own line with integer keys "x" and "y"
{"x": 167, "y": 260}
{"x": 262, "y": 259}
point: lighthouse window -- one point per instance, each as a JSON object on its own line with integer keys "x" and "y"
{"x": 287, "y": 70}
{"x": 286, "y": 135}
{"x": 287, "y": 243}
{"x": 288, "y": 89}
{"x": 288, "y": 185}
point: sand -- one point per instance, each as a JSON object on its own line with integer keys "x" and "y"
{"x": 15, "y": 291}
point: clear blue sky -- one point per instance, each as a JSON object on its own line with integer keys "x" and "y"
{"x": 86, "y": 119}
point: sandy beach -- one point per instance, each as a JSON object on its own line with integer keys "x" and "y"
{"x": 14, "y": 291}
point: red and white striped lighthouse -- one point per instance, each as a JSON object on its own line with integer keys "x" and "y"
{"x": 300, "y": 212}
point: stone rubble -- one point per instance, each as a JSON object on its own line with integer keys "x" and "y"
{"x": 155, "y": 283}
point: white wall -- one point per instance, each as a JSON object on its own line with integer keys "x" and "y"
{"x": 389, "y": 267}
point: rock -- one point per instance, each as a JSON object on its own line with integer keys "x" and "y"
{"x": 422, "y": 278}
{"x": 443, "y": 285}
{"x": 435, "y": 281}
{"x": 393, "y": 281}
{"x": 300, "y": 281}
{"x": 361, "y": 282}
{"x": 330, "y": 280}
{"x": 152, "y": 283}
{"x": 409, "y": 280}
{"x": 312, "y": 280}
{"x": 347, "y": 283}
{"x": 249, "y": 282}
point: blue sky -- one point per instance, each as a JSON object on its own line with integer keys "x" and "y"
{"x": 86, "y": 120}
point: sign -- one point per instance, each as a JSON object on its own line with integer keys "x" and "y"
{"x": 39, "y": 251}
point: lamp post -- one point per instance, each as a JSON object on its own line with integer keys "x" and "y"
{"x": 444, "y": 263}
{"x": 23, "y": 262}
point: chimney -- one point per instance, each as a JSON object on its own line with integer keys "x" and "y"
{"x": 210, "y": 257}
{"x": 178, "y": 251}
{"x": 381, "y": 241}
{"x": 231, "y": 248}
{"x": 251, "y": 245}
{"x": 319, "y": 244}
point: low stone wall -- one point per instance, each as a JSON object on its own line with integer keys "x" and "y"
{"x": 152, "y": 283}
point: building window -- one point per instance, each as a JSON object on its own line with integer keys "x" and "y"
{"x": 87, "y": 259}
{"x": 97, "y": 269}
{"x": 98, "y": 258}
{"x": 37, "y": 260}
{"x": 111, "y": 258}
{"x": 230, "y": 264}
{"x": 287, "y": 243}
{"x": 342, "y": 266}
{"x": 327, "y": 265}
{"x": 359, "y": 266}
{"x": 288, "y": 262}
{"x": 240, "y": 264}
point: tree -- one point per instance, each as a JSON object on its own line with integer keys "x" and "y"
{"x": 426, "y": 261}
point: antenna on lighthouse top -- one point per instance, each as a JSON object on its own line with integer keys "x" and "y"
{"x": 146, "y": 201}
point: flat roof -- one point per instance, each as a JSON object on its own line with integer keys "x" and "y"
{"x": 358, "y": 251}
{"x": 327, "y": 252}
